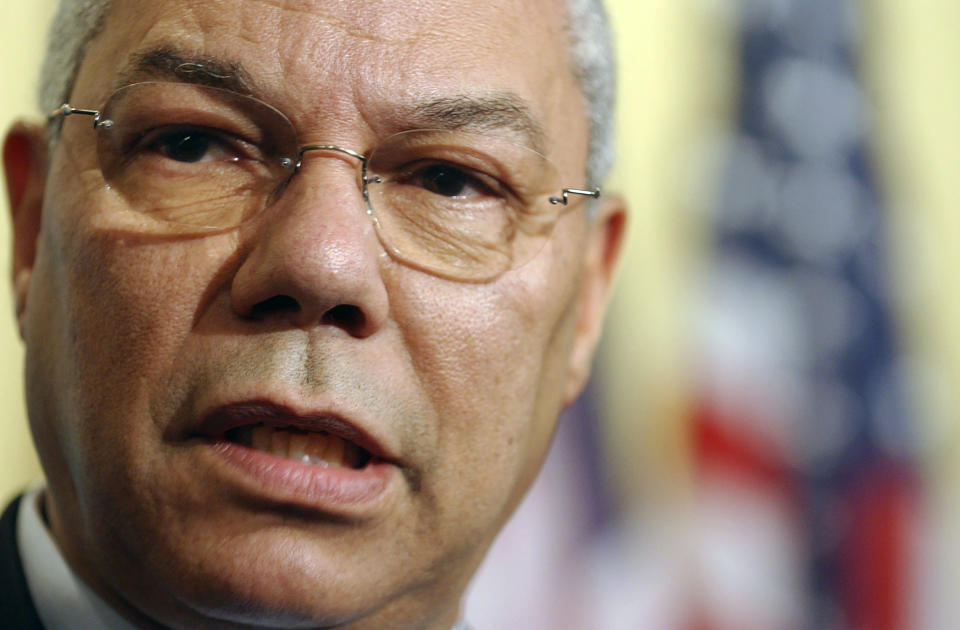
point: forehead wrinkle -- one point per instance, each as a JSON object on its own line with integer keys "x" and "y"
{"x": 353, "y": 26}
{"x": 479, "y": 112}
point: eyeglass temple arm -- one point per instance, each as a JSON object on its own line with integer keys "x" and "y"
{"x": 565, "y": 195}
{"x": 66, "y": 109}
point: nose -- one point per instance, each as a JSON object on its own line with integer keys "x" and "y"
{"x": 314, "y": 257}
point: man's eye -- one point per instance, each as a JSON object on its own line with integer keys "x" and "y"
{"x": 191, "y": 146}
{"x": 450, "y": 181}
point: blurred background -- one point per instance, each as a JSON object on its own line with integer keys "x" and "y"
{"x": 770, "y": 440}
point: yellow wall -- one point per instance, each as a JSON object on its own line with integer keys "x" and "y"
{"x": 22, "y": 32}
{"x": 913, "y": 49}
{"x": 913, "y": 52}
{"x": 676, "y": 84}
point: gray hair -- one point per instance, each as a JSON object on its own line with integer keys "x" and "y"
{"x": 75, "y": 23}
{"x": 594, "y": 65}
{"x": 591, "y": 58}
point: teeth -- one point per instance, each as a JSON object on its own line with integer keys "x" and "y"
{"x": 335, "y": 450}
{"x": 318, "y": 449}
{"x": 259, "y": 440}
{"x": 297, "y": 449}
{"x": 280, "y": 443}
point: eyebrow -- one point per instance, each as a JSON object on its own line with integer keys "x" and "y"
{"x": 495, "y": 112}
{"x": 168, "y": 64}
{"x": 477, "y": 113}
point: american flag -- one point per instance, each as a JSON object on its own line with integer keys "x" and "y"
{"x": 805, "y": 487}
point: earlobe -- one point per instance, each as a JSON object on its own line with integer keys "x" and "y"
{"x": 25, "y": 167}
{"x": 605, "y": 239}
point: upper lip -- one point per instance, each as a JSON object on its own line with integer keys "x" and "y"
{"x": 216, "y": 422}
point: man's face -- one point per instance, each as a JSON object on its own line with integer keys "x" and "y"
{"x": 143, "y": 352}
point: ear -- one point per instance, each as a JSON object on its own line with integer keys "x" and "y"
{"x": 607, "y": 230}
{"x": 25, "y": 166}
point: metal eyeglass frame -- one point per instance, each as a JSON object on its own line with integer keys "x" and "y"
{"x": 67, "y": 110}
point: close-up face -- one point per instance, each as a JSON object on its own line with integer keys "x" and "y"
{"x": 297, "y": 421}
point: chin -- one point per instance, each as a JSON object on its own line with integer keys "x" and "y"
{"x": 278, "y": 577}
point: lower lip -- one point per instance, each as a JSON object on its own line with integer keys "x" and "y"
{"x": 310, "y": 486}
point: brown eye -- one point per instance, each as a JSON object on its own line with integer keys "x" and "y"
{"x": 189, "y": 146}
{"x": 444, "y": 180}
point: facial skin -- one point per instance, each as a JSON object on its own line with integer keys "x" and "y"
{"x": 132, "y": 340}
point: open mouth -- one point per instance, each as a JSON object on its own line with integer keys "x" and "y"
{"x": 317, "y": 459}
{"x": 315, "y": 448}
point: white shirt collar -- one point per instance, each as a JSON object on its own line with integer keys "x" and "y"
{"x": 62, "y": 599}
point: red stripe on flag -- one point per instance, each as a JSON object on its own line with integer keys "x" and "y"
{"x": 875, "y": 553}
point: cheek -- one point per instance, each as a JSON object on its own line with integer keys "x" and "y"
{"x": 112, "y": 312}
{"x": 136, "y": 305}
{"x": 491, "y": 359}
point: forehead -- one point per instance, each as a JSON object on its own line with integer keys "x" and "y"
{"x": 347, "y": 66}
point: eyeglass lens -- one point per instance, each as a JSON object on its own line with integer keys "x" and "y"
{"x": 187, "y": 157}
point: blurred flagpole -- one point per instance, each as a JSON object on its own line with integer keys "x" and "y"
{"x": 806, "y": 496}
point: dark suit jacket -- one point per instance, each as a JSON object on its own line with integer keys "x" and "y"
{"x": 17, "y": 611}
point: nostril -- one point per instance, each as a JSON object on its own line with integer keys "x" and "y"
{"x": 278, "y": 304}
{"x": 346, "y": 316}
